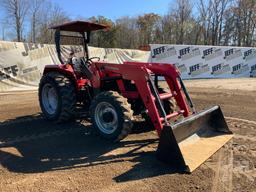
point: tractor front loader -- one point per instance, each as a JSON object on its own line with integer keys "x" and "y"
{"x": 112, "y": 93}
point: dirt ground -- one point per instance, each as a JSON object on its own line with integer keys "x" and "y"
{"x": 239, "y": 84}
{"x": 37, "y": 155}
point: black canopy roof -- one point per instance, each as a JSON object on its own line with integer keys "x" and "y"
{"x": 79, "y": 26}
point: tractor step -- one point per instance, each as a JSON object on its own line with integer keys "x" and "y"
{"x": 172, "y": 115}
{"x": 164, "y": 96}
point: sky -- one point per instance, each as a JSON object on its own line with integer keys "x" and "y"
{"x": 112, "y": 9}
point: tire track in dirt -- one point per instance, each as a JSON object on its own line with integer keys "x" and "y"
{"x": 236, "y": 161}
{"x": 242, "y": 120}
{"x": 222, "y": 165}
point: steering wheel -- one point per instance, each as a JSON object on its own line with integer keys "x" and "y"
{"x": 90, "y": 59}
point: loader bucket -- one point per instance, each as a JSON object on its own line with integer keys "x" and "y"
{"x": 189, "y": 143}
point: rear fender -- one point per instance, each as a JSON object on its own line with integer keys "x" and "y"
{"x": 66, "y": 70}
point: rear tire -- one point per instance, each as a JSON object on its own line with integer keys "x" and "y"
{"x": 57, "y": 97}
{"x": 111, "y": 115}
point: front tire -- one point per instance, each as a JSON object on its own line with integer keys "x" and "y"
{"x": 111, "y": 115}
{"x": 57, "y": 97}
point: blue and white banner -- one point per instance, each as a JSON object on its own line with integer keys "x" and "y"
{"x": 195, "y": 61}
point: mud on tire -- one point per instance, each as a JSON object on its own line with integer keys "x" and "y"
{"x": 111, "y": 115}
{"x": 65, "y": 99}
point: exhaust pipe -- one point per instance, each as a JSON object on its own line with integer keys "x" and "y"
{"x": 189, "y": 143}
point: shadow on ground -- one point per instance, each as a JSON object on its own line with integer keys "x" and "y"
{"x": 30, "y": 144}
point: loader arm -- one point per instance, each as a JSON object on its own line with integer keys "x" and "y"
{"x": 140, "y": 73}
{"x": 185, "y": 144}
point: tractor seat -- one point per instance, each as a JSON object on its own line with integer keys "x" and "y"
{"x": 81, "y": 67}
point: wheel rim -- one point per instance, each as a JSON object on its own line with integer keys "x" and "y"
{"x": 49, "y": 99}
{"x": 106, "y": 118}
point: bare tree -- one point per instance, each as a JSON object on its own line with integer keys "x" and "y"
{"x": 167, "y": 29}
{"x": 16, "y": 12}
{"x": 51, "y": 15}
{"x": 204, "y": 8}
{"x": 126, "y": 27}
{"x": 36, "y": 6}
{"x": 239, "y": 25}
{"x": 181, "y": 12}
{"x": 3, "y": 27}
{"x": 212, "y": 19}
{"x": 245, "y": 20}
{"x": 147, "y": 26}
{"x": 219, "y": 7}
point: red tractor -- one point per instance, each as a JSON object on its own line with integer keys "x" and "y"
{"x": 112, "y": 93}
